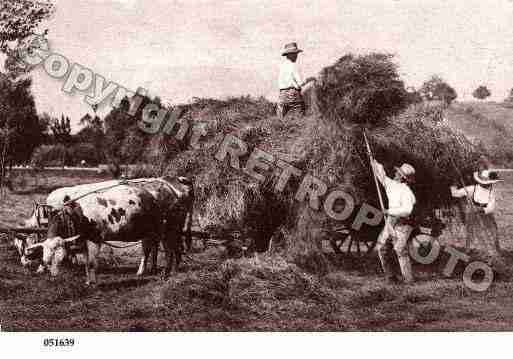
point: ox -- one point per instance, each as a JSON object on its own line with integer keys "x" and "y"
{"x": 98, "y": 219}
{"x": 41, "y": 213}
{"x": 122, "y": 213}
{"x": 170, "y": 192}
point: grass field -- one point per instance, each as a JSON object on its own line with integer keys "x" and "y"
{"x": 211, "y": 292}
{"x": 489, "y": 123}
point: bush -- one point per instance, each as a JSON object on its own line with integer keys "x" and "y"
{"x": 60, "y": 155}
{"x": 85, "y": 152}
{"x": 481, "y": 92}
{"x": 437, "y": 89}
{"x": 51, "y": 155}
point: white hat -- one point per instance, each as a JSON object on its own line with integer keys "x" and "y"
{"x": 406, "y": 171}
{"x": 486, "y": 177}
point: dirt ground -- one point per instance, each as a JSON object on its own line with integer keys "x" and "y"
{"x": 215, "y": 294}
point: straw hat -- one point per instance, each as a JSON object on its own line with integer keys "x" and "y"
{"x": 486, "y": 177}
{"x": 291, "y": 48}
{"x": 406, "y": 171}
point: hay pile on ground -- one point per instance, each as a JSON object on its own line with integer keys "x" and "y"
{"x": 244, "y": 293}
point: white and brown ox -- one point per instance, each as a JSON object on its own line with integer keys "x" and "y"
{"x": 125, "y": 213}
{"x": 41, "y": 213}
{"x": 174, "y": 197}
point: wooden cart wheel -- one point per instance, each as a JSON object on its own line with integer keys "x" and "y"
{"x": 351, "y": 244}
{"x": 360, "y": 245}
{"x": 337, "y": 241}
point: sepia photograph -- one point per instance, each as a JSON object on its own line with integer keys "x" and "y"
{"x": 255, "y": 167}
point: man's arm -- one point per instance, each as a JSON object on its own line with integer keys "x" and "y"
{"x": 379, "y": 171}
{"x": 298, "y": 79}
{"x": 461, "y": 192}
{"x": 308, "y": 80}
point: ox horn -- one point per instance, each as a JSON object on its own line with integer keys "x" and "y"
{"x": 71, "y": 239}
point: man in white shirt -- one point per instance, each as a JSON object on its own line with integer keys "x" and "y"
{"x": 291, "y": 82}
{"x": 398, "y": 224}
{"x": 479, "y": 218}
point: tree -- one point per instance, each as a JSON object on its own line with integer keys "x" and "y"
{"x": 45, "y": 121}
{"x": 93, "y": 133}
{"x": 361, "y": 89}
{"x": 20, "y": 127}
{"x": 21, "y": 130}
{"x": 20, "y": 21}
{"x": 481, "y": 92}
{"x": 437, "y": 89}
{"x": 124, "y": 141}
{"x": 61, "y": 130}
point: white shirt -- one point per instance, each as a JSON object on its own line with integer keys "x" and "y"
{"x": 289, "y": 75}
{"x": 400, "y": 197}
{"x": 477, "y": 194}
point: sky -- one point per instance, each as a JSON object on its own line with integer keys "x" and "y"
{"x": 200, "y": 48}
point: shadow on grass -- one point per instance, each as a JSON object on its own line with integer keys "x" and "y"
{"x": 118, "y": 270}
{"x": 122, "y": 284}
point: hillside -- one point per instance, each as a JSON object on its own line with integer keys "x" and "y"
{"x": 489, "y": 123}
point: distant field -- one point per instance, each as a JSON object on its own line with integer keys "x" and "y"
{"x": 490, "y": 123}
{"x": 32, "y": 186}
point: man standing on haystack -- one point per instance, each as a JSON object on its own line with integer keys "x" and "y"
{"x": 479, "y": 218}
{"x": 290, "y": 83}
{"x": 398, "y": 224}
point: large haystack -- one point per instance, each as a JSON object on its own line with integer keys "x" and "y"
{"x": 325, "y": 144}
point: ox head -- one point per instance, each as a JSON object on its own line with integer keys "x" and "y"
{"x": 21, "y": 243}
{"x": 53, "y": 252}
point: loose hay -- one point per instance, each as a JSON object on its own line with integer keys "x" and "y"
{"x": 328, "y": 144}
{"x": 252, "y": 291}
